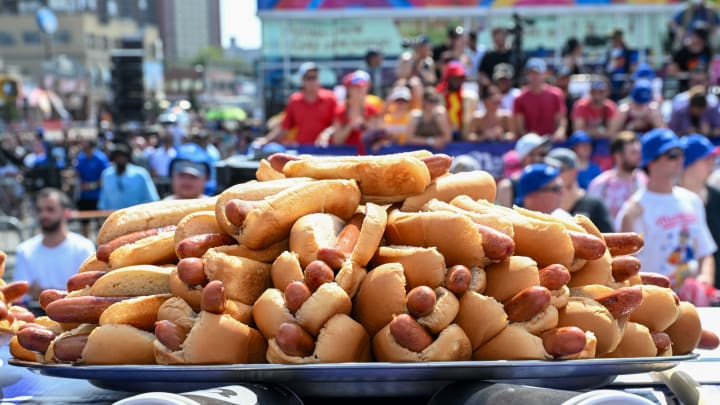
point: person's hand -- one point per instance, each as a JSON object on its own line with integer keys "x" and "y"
{"x": 259, "y": 142}
{"x": 559, "y": 135}
{"x": 634, "y": 209}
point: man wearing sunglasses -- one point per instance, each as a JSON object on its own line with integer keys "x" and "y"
{"x": 678, "y": 242}
{"x": 309, "y": 111}
{"x": 540, "y": 188}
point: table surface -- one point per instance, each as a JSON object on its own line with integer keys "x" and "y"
{"x": 19, "y": 385}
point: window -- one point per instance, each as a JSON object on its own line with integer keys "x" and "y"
{"x": 63, "y": 37}
{"x": 6, "y": 39}
{"x": 31, "y": 37}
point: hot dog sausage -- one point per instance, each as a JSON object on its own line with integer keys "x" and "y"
{"x": 526, "y": 304}
{"x": 437, "y": 164}
{"x": 236, "y": 210}
{"x": 554, "y": 276}
{"x": 294, "y": 340}
{"x": 662, "y": 341}
{"x": 170, "y": 334}
{"x": 409, "y": 334}
{"x": 104, "y": 250}
{"x": 708, "y": 340}
{"x": 35, "y": 338}
{"x": 21, "y": 314}
{"x": 3, "y": 310}
{"x": 318, "y": 273}
{"x": 278, "y": 160}
{"x": 296, "y": 293}
{"x": 344, "y": 244}
{"x": 655, "y": 279}
{"x": 84, "y": 309}
{"x": 197, "y": 245}
{"x": 587, "y": 246}
{"x": 79, "y": 281}
{"x": 623, "y": 243}
{"x": 191, "y": 271}
{"x": 420, "y": 301}
{"x": 15, "y": 290}
{"x": 458, "y": 279}
{"x": 70, "y": 348}
{"x": 50, "y": 295}
{"x": 622, "y": 301}
{"x": 624, "y": 267}
{"x": 496, "y": 245}
{"x": 564, "y": 341}
{"x": 213, "y": 297}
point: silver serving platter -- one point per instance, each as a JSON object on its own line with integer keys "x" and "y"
{"x": 361, "y": 379}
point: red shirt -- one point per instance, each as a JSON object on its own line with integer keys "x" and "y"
{"x": 540, "y": 109}
{"x": 593, "y": 115}
{"x": 310, "y": 118}
{"x": 354, "y": 138}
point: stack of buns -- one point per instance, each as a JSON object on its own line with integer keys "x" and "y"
{"x": 356, "y": 259}
{"x": 12, "y": 316}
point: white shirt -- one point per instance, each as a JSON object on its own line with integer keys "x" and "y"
{"x": 51, "y": 267}
{"x": 506, "y": 103}
{"x": 675, "y": 232}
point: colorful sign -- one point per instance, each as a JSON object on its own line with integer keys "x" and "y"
{"x": 268, "y": 5}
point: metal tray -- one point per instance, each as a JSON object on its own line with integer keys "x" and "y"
{"x": 360, "y": 379}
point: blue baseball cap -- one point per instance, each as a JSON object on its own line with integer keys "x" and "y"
{"x": 643, "y": 71}
{"x": 533, "y": 178}
{"x": 698, "y": 147}
{"x": 656, "y": 142}
{"x": 537, "y": 65}
{"x": 578, "y": 137}
{"x": 641, "y": 92}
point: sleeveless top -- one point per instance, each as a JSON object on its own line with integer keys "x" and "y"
{"x": 427, "y": 129}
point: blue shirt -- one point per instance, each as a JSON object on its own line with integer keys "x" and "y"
{"x": 133, "y": 187}
{"x": 89, "y": 169}
{"x": 585, "y": 176}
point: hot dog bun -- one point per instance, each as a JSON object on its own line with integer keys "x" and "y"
{"x": 371, "y": 233}
{"x": 156, "y": 249}
{"x": 481, "y": 317}
{"x": 476, "y": 184}
{"x": 685, "y": 330}
{"x": 423, "y": 266}
{"x": 588, "y": 315}
{"x": 265, "y": 172}
{"x": 451, "y": 345}
{"x": 636, "y": 342}
{"x": 658, "y": 309}
{"x": 190, "y": 294}
{"x": 265, "y": 255}
{"x": 286, "y": 269}
{"x": 510, "y": 276}
{"x": 93, "y": 264}
{"x": 140, "y": 312}
{"x": 444, "y": 311}
{"x": 244, "y": 279}
{"x": 150, "y": 215}
{"x": 119, "y": 344}
{"x": 380, "y": 296}
{"x": 312, "y": 232}
{"x": 512, "y": 343}
{"x": 134, "y": 280}
{"x": 340, "y": 340}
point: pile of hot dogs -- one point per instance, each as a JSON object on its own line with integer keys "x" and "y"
{"x": 12, "y": 316}
{"x": 356, "y": 259}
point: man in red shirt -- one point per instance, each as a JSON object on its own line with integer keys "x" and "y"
{"x": 593, "y": 113}
{"x": 540, "y": 108}
{"x": 309, "y": 111}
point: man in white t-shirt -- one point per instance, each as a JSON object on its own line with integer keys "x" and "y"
{"x": 47, "y": 260}
{"x": 678, "y": 242}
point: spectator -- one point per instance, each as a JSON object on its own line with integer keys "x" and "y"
{"x": 123, "y": 183}
{"x": 530, "y": 148}
{"x": 699, "y": 76}
{"x": 574, "y": 198}
{"x": 397, "y": 118}
{"x": 499, "y": 54}
{"x": 685, "y": 19}
{"x": 201, "y": 138}
{"x": 423, "y": 63}
{"x": 572, "y": 56}
{"x": 503, "y": 75}
{"x": 355, "y": 116}
{"x": 89, "y": 167}
{"x": 594, "y": 113}
{"x": 540, "y": 108}
{"x": 695, "y": 116}
{"x": 473, "y": 56}
{"x": 700, "y": 154}
{"x": 616, "y": 185}
{"x": 161, "y": 158}
{"x": 309, "y": 111}
{"x": 581, "y": 143}
{"x": 454, "y": 45}
{"x": 459, "y": 102}
{"x": 640, "y": 114}
{"x": 429, "y": 126}
{"x": 373, "y": 65}
{"x": 618, "y": 65}
{"x": 495, "y": 123}
{"x": 694, "y": 53}
{"x": 540, "y": 188}
{"x": 681, "y": 245}
{"x": 47, "y": 260}
{"x": 189, "y": 175}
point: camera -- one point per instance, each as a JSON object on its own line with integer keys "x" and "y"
{"x": 519, "y": 24}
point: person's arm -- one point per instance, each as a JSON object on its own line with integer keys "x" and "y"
{"x": 475, "y": 131}
{"x": 410, "y": 135}
{"x": 518, "y": 117}
{"x": 561, "y": 124}
{"x": 656, "y": 118}
{"x": 103, "y": 200}
{"x": 617, "y": 122}
{"x": 706, "y": 270}
{"x": 629, "y": 214}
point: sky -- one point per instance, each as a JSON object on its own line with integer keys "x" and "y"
{"x": 238, "y": 19}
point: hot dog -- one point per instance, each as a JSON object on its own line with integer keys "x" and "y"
{"x": 662, "y": 342}
{"x": 624, "y": 267}
{"x": 104, "y": 250}
{"x": 197, "y": 245}
{"x": 86, "y": 309}
{"x": 513, "y": 343}
{"x": 623, "y": 243}
{"x": 527, "y": 304}
{"x": 294, "y": 341}
{"x": 636, "y": 342}
{"x": 564, "y": 341}
{"x": 81, "y": 280}
{"x": 458, "y": 279}
{"x": 481, "y": 317}
{"x": 655, "y": 279}
{"x": 139, "y": 312}
{"x": 420, "y": 301}
{"x": 409, "y": 334}
{"x": 708, "y": 340}
{"x": 422, "y": 266}
{"x": 589, "y": 315}
{"x": 554, "y": 277}
{"x": 475, "y": 184}
{"x": 404, "y": 339}
{"x": 658, "y": 309}
{"x": 685, "y": 330}
{"x": 15, "y": 290}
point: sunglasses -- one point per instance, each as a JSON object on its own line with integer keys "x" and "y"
{"x": 552, "y": 189}
{"x": 673, "y": 154}
{"x": 310, "y": 78}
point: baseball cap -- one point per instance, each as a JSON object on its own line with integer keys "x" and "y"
{"x": 656, "y": 142}
{"x": 641, "y": 92}
{"x": 537, "y": 65}
{"x": 643, "y": 71}
{"x": 598, "y": 84}
{"x": 117, "y": 149}
{"x": 357, "y": 78}
{"x": 698, "y": 147}
{"x": 192, "y": 168}
{"x": 503, "y": 71}
{"x": 527, "y": 143}
{"x": 533, "y": 178}
{"x": 455, "y": 32}
{"x": 578, "y": 137}
{"x": 400, "y": 93}
{"x": 454, "y": 69}
{"x": 306, "y": 67}
{"x": 565, "y": 157}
